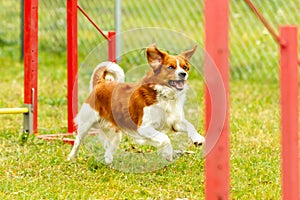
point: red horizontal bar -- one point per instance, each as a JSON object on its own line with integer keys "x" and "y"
{"x": 61, "y": 137}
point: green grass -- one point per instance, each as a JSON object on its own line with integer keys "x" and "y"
{"x": 31, "y": 168}
{"x": 39, "y": 170}
{"x": 34, "y": 169}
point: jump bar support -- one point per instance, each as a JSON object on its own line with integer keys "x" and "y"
{"x": 28, "y": 119}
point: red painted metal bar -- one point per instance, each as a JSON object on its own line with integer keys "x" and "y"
{"x": 217, "y": 97}
{"x": 289, "y": 113}
{"x": 110, "y": 37}
{"x": 72, "y": 43}
{"x": 94, "y": 24}
{"x": 112, "y": 46}
{"x": 277, "y": 38}
{"x": 263, "y": 20}
{"x": 62, "y": 137}
{"x": 72, "y": 29}
{"x": 31, "y": 57}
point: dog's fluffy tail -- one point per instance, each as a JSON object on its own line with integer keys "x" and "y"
{"x": 109, "y": 71}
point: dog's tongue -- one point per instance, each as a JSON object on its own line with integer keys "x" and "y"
{"x": 179, "y": 84}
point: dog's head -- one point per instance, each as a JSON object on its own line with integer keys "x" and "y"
{"x": 169, "y": 70}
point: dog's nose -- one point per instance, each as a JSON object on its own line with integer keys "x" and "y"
{"x": 182, "y": 74}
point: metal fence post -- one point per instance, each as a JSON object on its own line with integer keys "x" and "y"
{"x": 118, "y": 26}
{"x": 72, "y": 32}
{"x": 31, "y": 57}
{"x": 289, "y": 112}
{"x": 112, "y": 46}
{"x": 22, "y": 32}
{"x": 217, "y": 97}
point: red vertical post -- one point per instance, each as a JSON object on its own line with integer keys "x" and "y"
{"x": 31, "y": 57}
{"x": 289, "y": 112}
{"x": 216, "y": 72}
{"x": 112, "y": 46}
{"x": 72, "y": 45}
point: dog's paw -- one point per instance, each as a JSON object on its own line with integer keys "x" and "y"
{"x": 168, "y": 157}
{"x": 198, "y": 140}
{"x": 108, "y": 159}
{"x": 71, "y": 157}
{"x": 167, "y": 153}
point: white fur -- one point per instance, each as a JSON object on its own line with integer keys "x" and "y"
{"x": 180, "y": 70}
{"x": 167, "y": 114}
{"x": 110, "y": 138}
{"x": 116, "y": 72}
{"x": 85, "y": 119}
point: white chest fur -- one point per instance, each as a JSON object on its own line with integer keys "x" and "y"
{"x": 168, "y": 112}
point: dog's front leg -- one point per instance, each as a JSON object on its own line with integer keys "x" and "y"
{"x": 158, "y": 140}
{"x": 186, "y": 126}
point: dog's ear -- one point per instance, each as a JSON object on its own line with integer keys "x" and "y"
{"x": 189, "y": 53}
{"x": 155, "y": 57}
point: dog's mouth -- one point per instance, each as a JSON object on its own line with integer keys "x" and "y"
{"x": 178, "y": 84}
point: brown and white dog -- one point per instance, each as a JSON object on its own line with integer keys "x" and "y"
{"x": 142, "y": 110}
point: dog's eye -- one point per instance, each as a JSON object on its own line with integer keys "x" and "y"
{"x": 185, "y": 68}
{"x": 171, "y": 67}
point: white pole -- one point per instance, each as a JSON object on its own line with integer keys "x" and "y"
{"x": 118, "y": 28}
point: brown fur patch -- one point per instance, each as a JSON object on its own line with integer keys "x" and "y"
{"x": 121, "y": 103}
{"x": 99, "y": 73}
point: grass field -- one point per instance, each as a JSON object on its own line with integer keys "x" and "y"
{"x": 31, "y": 168}
{"x": 36, "y": 169}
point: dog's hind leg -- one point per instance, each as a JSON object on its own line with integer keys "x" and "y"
{"x": 86, "y": 118}
{"x": 110, "y": 141}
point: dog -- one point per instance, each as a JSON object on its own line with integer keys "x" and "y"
{"x": 143, "y": 110}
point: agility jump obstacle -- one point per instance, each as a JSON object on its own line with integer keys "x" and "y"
{"x": 217, "y": 157}
{"x": 289, "y": 112}
{"x": 27, "y": 116}
{"x": 72, "y": 50}
{"x": 217, "y": 184}
{"x": 217, "y": 99}
{"x": 72, "y": 34}
{"x": 288, "y": 42}
{"x": 30, "y": 108}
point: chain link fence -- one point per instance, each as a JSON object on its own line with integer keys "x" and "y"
{"x": 10, "y": 38}
{"x": 254, "y": 54}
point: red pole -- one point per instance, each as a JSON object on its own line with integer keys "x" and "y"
{"x": 112, "y": 46}
{"x": 289, "y": 112}
{"x": 216, "y": 72}
{"x": 31, "y": 57}
{"x": 72, "y": 31}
